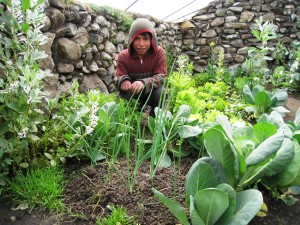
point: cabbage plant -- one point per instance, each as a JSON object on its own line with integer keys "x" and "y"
{"x": 211, "y": 200}
{"x": 262, "y": 101}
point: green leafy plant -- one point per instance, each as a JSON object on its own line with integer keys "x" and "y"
{"x": 92, "y": 128}
{"x": 131, "y": 143}
{"x": 255, "y": 65}
{"x": 249, "y": 154}
{"x": 211, "y": 200}
{"x": 294, "y": 70}
{"x": 118, "y": 216}
{"x": 280, "y": 77}
{"x": 166, "y": 129}
{"x": 42, "y": 187}
{"x": 262, "y": 101}
{"x": 280, "y": 54}
{"x": 282, "y": 184}
{"x": 21, "y": 91}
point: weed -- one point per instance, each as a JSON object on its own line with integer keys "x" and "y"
{"x": 41, "y": 187}
{"x": 118, "y": 216}
{"x": 125, "y": 19}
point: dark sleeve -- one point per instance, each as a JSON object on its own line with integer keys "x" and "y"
{"x": 122, "y": 73}
{"x": 160, "y": 71}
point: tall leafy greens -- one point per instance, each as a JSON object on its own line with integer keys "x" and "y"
{"x": 249, "y": 154}
{"x": 20, "y": 81}
{"x": 167, "y": 128}
{"x": 280, "y": 183}
{"x": 256, "y": 63}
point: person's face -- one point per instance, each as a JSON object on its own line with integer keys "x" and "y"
{"x": 142, "y": 44}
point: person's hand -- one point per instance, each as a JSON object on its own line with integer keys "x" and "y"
{"x": 126, "y": 86}
{"x": 137, "y": 87}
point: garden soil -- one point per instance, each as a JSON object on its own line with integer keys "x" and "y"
{"x": 90, "y": 191}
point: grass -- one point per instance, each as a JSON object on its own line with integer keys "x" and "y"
{"x": 118, "y": 217}
{"x": 41, "y": 187}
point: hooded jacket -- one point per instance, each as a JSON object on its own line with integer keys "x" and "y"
{"x": 151, "y": 69}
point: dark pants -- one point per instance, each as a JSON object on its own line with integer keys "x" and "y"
{"x": 153, "y": 100}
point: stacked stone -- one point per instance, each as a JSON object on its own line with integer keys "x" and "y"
{"x": 228, "y": 23}
{"x": 83, "y": 46}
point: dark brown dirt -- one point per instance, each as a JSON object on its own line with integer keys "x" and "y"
{"x": 90, "y": 191}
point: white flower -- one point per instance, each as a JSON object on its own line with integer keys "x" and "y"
{"x": 23, "y": 133}
{"x": 94, "y": 120}
{"x": 89, "y": 129}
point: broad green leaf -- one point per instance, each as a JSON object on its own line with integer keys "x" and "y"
{"x": 195, "y": 217}
{"x": 258, "y": 88}
{"x": 295, "y": 190}
{"x": 263, "y": 102}
{"x": 286, "y": 130}
{"x": 280, "y": 96}
{"x": 183, "y": 111}
{"x": 225, "y": 218}
{"x": 204, "y": 173}
{"x": 52, "y": 163}
{"x": 3, "y": 142}
{"x": 245, "y": 145}
{"x": 264, "y": 130}
{"x": 14, "y": 106}
{"x": 98, "y": 155}
{"x": 288, "y": 175}
{"x": 151, "y": 124}
{"x": 274, "y": 118}
{"x": 226, "y": 125}
{"x": 249, "y": 203}
{"x": 25, "y": 27}
{"x": 265, "y": 149}
{"x": 162, "y": 114}
{"x": 296, "y": 135}
{"x": 23, "y": 165}
{"x": 33, "y": 137}
{"x": 281, "y": 110}
{"x": 39, "y": 2}
{"x": 210, "y": 204}
{"x": 48, "y": 155}
{"x": 25, "y": 4}
{"x": 220, "y": 149}
{"x": 163, "y": 161}
{"x": 247, "y": 94}
{"x": 297, "y": 119}
{"x": 111, "y": 109}
{"x": 79, "y": 114}
{"x": 283, "y": 157}
{"x": 187, "y": 131}
{"x": 175, "y": 208}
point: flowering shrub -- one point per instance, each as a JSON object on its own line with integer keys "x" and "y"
{"x": 20, "y": 82}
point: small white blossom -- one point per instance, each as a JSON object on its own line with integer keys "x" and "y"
{"x": 14, "y": 85}
{"x": 23, "y": 133}
{"x": 89, "y": 129}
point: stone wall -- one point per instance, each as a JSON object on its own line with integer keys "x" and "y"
{"x": 83, "y": 46}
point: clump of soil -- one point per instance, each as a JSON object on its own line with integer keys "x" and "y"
{"x": 92, "y": 190}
